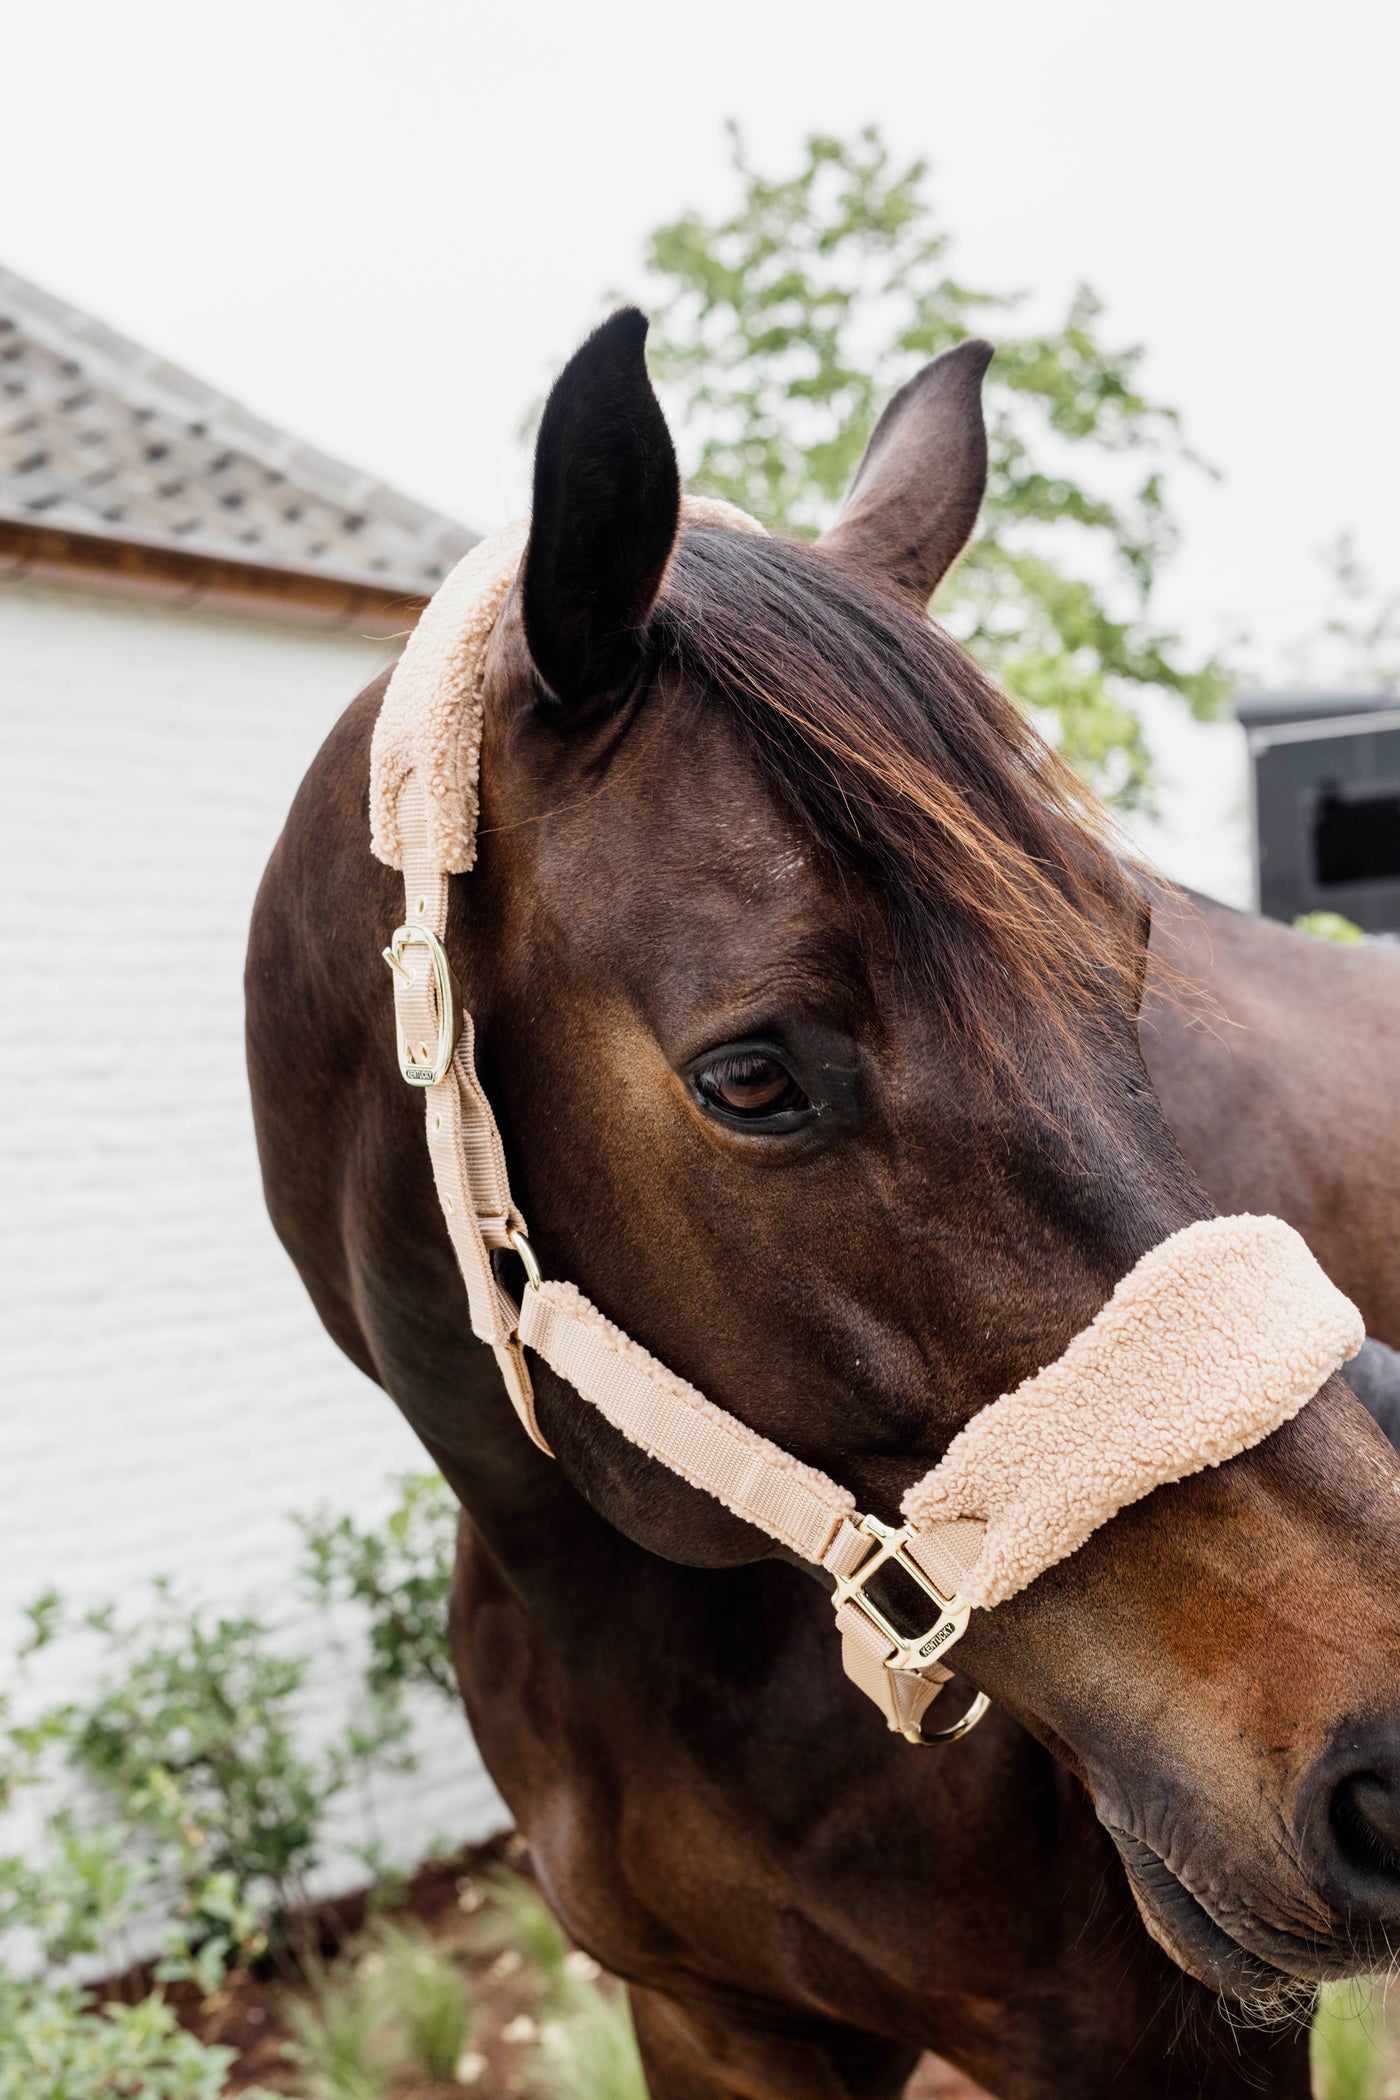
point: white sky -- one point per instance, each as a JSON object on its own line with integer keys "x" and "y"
{"x": 384, "y": 225}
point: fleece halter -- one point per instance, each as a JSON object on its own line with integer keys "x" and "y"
{"x": 1214, "y": 1339}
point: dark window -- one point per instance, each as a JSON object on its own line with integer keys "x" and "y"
{"x": 1356, "y": 835}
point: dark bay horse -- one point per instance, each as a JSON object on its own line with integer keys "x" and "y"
{"x": 805, "y": 996}
{"x": 1281, "y": 1082}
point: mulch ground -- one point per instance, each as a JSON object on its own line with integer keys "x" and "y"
{"x": 443, "y": 1897}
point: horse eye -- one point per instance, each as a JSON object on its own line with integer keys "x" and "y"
{"x": 750, "y": 1084}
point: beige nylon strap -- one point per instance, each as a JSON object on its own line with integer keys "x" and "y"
{"x": 657, "y": 1410}
{"x": 464, "y": 1144}
{"x": 901, "y": 1695}
{"x": 670, "y": 1420}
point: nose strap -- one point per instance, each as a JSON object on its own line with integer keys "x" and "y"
{"x": 1212, "y": 1341}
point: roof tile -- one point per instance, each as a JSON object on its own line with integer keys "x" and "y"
{"x": 141, "y": 450}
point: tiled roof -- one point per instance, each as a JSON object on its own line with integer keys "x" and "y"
{"x": 100, "y": 436}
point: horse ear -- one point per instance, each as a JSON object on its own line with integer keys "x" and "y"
{"x": 606, "y": 508}
{"x": 918, "y": 490}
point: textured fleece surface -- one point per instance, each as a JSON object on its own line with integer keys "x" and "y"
{"x": 431, "y": 718}
{"x": 1214, "y": 1339}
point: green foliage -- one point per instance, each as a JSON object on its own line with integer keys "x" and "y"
{"x": 781, "y": 330}
{"x": 75, "y": 1901}
{"x": 401, "y": 1576}
{"x": 191, "y": 1744}
{"x": 79, "y": 1894}
{"x": 193, "y": 1798}
{"x": 54, "y": 2046}
{"x": 398, "y": 2002}
{"x": 1328, "y": 926}
{"x": 339, "y": 2042}
{"x": 592, "y": 2053}
{"x": 516, "y": 1917}
{"x": 1351, "y": 2049}
{"x": 423, "y": 1994}
{"x": 208, "y": 1812}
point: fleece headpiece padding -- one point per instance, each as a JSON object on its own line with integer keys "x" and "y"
{"x": 1213, "y": 1340}
{"x": 431, "y": 719}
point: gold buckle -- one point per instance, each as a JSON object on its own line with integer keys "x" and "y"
{"x": 417, "y": 1067}
{"x": 910, "y": 1653}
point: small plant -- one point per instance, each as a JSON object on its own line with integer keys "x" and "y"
{"x": 75, "y": 1900}
{"x": 400, "y": 1574}
{"x": 338, "y": 2038}
{"x": 54, "y": 2046}
{"x": 423, "y": 1994}
{"x": 191, "y": 1743}
{"x": 592, "y": 2054}
{"x": 1327, "y": 926}
{"x": 515, "y": 1919}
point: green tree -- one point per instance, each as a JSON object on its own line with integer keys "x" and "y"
{"x": 780, "y": 331}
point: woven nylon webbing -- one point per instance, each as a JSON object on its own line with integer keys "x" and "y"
{"x": 793, "y": 1503}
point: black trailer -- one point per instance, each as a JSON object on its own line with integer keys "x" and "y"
{"x": 1326, "y": 804}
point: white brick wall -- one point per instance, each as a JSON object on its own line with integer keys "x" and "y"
{"x": 169, "y": 1396}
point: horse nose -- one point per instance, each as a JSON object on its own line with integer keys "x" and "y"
{"x": 1350, "y": 1823}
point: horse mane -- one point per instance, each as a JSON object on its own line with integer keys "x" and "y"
{"x": 1009, "y": 903}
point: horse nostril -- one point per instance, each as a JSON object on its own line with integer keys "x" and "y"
{"x": 1365, "y": 1817}
{"x": 1351, "y": 1823}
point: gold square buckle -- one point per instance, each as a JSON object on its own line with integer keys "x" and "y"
{"x": 916, "y": 1652}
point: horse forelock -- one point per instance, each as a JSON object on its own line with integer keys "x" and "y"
{"x": 1009, "y": 904}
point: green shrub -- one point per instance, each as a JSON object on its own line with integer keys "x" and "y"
{"x": 53, "y": 2046}
{"x": 190, "y": 1743}
{"x": 209, "y": 1811}
{"x": 74, "y": 1900}
{"x": 400, "y": 1575}
{"x": 423, "y": 1995}
{"x": 338, "y": 2039}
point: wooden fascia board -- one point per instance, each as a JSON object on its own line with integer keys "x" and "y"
{"x": 184, "y": 576}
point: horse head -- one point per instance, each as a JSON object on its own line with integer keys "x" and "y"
{"x": 805, "y": 981}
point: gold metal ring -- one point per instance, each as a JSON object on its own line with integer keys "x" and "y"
{"x": 959, "y": 1729}
{"x": 520, "y": 1240}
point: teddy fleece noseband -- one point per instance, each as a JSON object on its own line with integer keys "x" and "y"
{"x": 1213, "y": 1340}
